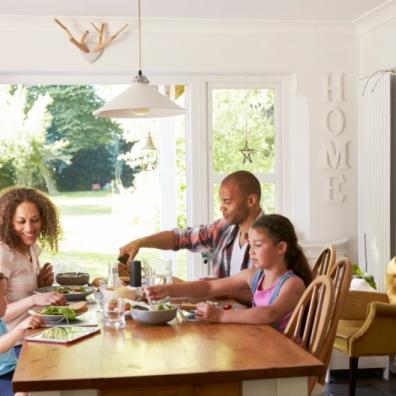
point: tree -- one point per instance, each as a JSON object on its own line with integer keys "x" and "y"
{"x": 241, "y": 113}
{"x": 23, "y": 138}
{"x": 88, "y": 167}
{"x": 72, "y": 108}
{"x": 93, "y": 141}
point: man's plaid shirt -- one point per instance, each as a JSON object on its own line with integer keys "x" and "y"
{"x": 217, "y": 238}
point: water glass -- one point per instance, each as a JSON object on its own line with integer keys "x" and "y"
{"x": 113, "y": 312}
{"x": 160, "y": 272}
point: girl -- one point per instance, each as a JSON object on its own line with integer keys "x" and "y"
{"x": 278, "y": 278}
{"x": 8, "y": 355}
{"x": 26, "y": 215}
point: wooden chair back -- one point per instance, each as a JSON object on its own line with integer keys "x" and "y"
{"x": 341, "y": 276}
{"x": 325, "y": 262}
{"x": 310, "y": 319}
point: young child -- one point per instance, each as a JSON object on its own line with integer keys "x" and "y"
{"x": 278, "y": 278}
{"x": 8, "y": 355}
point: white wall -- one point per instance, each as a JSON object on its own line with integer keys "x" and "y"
{"x": 36, "y": 50}
{"x": 377, "y": 52}
{"x": 377, "y": 35}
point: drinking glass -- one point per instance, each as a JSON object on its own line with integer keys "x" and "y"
{"x": 113, "y": 312}
{"x": 160, "y": 272}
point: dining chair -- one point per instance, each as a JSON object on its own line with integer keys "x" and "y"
{"x": 341, "y": 276}
{"x": 366, "y": 328}
{"x": 325, "y": 261}
{"x": 309, "y": 322}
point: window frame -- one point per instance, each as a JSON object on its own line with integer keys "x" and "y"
{"x": 276, "y": 176}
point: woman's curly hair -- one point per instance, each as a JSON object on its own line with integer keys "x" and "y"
{"x": 11, "y": 198}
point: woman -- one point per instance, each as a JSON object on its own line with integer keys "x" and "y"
{"x": 26, "y": 216}
{"x": 278, "y": 278}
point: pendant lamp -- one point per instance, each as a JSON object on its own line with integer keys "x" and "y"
{"x": 149, "y": 146}
{"x": 140, "y": 100}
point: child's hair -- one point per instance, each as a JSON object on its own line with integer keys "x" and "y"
{"x": 11, "y": 198}
{"x": 280, "y": 228}
{"x": 1, "y": 276}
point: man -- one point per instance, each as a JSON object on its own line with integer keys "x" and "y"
{"x": 225, "y": 238}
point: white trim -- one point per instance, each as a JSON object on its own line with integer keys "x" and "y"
{"x": 376, "y": 17}
{"x": 179, "y": 25}
{"x": 196, "y": 151}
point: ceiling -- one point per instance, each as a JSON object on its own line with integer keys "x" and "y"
{"x": 279, "y": 10}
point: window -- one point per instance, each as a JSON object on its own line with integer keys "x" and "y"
{"x": 108, "y": 189}
{"x": 240, "y": 114}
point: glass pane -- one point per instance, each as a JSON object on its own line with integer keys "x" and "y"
{"x": 96, "y": 174}
{"x": 267, "y": 199}
{"x": 240, "y": 115}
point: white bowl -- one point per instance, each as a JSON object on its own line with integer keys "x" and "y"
{"x": 154, "y": 317}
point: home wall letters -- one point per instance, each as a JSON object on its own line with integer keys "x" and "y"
{"x": 335, "y": 150}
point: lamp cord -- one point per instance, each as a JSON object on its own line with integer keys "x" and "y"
{"x": 140, "y": 41}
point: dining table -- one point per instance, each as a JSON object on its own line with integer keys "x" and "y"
{"x": 178, "y": 358}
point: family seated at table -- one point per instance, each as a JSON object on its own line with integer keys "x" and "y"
{"x": 256, "y": 259}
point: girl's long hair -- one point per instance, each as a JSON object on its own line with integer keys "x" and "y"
{"x": 279, "y": 228}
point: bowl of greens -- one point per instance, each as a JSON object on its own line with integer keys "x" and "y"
{"x": 54, "y": 314}
{"x": 155, "y": 314}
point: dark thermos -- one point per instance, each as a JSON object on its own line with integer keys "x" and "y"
{"x": 135, "y": 273}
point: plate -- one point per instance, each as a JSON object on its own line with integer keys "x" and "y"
{"x": 71, "y": 295}
{"x": 50, "y": 319}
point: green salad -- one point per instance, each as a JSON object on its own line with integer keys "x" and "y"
{"x": 163, "y": 306}
{"x": 68, "y": 313}
{"x": 68, "y": 290}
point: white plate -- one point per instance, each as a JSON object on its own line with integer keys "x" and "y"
{"x": 72, "y": 296}
{"x": 50, "y": 319}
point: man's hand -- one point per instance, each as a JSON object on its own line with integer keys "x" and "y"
{"x": 123, "y": 270}
{"x": 131, "y": 249}
{"x": 46, "y": 276}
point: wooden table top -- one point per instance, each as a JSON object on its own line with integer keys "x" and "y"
{"x": 177, "y": 353}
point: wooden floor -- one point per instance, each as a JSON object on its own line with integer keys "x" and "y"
{"x": 370, "y": 383}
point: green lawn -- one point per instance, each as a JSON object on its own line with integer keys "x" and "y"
{"x": 95, "y": 224}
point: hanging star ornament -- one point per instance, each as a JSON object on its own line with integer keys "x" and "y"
{"x": 246, "y": 152}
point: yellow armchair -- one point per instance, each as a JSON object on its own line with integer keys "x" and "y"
{"x": 366, "y": 328}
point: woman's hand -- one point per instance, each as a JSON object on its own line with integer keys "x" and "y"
{"x": 50, "y": 298}
{"x": 157, "y": 292}
{"x": 207, "y": 312}
{"x": 46, "y": 276}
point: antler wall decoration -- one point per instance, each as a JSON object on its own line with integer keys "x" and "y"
{"x": 92, "y": 49}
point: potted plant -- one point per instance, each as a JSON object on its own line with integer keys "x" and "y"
{"x": 360, "y": 278}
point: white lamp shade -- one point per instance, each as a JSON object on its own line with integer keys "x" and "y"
{"x": 140, "y": 100}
